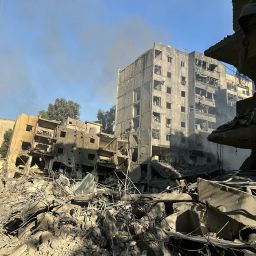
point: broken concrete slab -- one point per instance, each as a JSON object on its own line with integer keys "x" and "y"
{"x": 236, "y": 204}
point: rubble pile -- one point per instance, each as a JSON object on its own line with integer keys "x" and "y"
{"x": 44, "y": 216}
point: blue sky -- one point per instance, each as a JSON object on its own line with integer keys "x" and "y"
{"x": 73, "y": 48}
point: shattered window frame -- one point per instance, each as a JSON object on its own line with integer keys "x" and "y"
{"x": 157, "y": 85}
{"x": 157, "y": 101}
{"x": 156, "y": 117}
{"x": 156, "y": 134}
{"x": 168, "y": 122}
{"x": 158, "y": 70}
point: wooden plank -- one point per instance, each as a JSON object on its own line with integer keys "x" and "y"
{"x": 175, "y": 197}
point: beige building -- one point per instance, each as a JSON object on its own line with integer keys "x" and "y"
{"x": 74, "y": 146}
{"x": 5, "y": 125}
{"x": 169, "y": 98}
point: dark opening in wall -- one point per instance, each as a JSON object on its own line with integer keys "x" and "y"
{"x": 183, "y": 80}
{"x": 158, "y": 54}
{"x": 168, "y": 137}
{"x": 21, "y": 160}
{"x": 92, "y": 140}
{"x": 168, "y": 105}
{"x": 157, "y": 70}
{"x": 135, "y": 155}
{"x": 168, "y": 122}
{"x": 156, "y": 101}
{"x": 62, "y": 134}
{"x": 29, "y": 128}
{"x": 86, "y": 168}
{"x": 136, "y": 122}
{"x": 25, "y": 145}
{"x": 156, "y": 117}
{"x": 60, "y": 150}
{"x": 58, "y": 165}
{"x": 183, "y": 124}
{"x": 91, "y": 156}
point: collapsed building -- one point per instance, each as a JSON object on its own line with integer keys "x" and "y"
{"x": 74, "y": 147}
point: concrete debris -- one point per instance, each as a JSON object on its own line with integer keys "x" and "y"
{"x": 36, "y": 219}
{"x": 87, "y": 185}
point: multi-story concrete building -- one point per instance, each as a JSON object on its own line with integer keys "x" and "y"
{"x": 73, "y": 146}
{"x": 169, "y": 98}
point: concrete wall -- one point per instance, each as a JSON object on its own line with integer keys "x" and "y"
{"x": 20, "y": 135}
{"x": 133, "y": 113}
{"x": 178, "y": 68}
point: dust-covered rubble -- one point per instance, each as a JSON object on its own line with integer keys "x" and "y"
{"x": 40, "y": 215}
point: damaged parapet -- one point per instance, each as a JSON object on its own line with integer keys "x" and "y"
{"x": 73, "y": 147}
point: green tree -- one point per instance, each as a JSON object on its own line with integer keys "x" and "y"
{"x": 107, "y": 119}
{"x": 5, "y": 144}
{"x": 61, "y": 110}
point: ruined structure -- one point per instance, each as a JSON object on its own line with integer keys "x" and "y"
{"x": 75, "y": 147}
{"x": 168, "y": 98}
{"x": 239, "y": 50}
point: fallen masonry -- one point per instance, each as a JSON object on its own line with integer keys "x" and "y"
{"x": 41, "y": 215}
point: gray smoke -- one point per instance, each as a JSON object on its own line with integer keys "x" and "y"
{"x": 15, "y": 86}
{"x": 95, "y": 50}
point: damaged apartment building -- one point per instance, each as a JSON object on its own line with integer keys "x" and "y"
{"x": 171, "y": 99}
{"x": 75, "y": 147}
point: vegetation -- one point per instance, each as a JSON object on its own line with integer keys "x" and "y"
{"x": 5, "y": 145}
{"x": 61, "y": 109}
{"x": 107, "y": 119}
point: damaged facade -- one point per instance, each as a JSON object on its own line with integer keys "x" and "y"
{"x": 168, "y": 98}
{"x": 75, "y": 147}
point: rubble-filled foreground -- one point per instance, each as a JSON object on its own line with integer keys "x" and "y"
{"x": 40, "y": 215}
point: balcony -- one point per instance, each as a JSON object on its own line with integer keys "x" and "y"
{"x": 44, "y": 133}
{"x": 205, "y": 100}
{"x": 204, "y": 115}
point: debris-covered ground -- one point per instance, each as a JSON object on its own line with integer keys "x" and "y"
{"x": 40, "y": 215}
